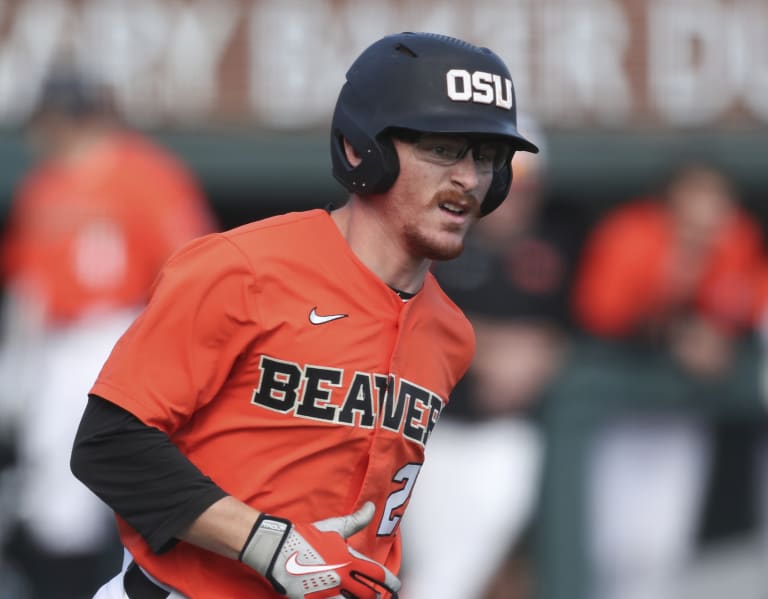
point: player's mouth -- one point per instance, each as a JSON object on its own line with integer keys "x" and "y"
{"x": 456, "y": 212}
{"x": 456, "y": 206}
{"x": 452, "y": 208}
{"x": 455, "y": 203}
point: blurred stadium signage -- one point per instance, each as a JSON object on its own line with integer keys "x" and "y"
{"x": 279, "y": 63}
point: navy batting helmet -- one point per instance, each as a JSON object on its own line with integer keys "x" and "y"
{"x": 421, "y": 82}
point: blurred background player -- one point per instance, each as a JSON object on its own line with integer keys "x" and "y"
{"x": 671, "y": 276}
{"x": 89, "y": 228}
{"x": 485, "y": 457}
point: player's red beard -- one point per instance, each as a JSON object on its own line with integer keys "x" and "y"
{"x": 447, "y": 243}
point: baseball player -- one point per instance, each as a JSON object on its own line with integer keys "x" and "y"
{"x": 259, "y": 429}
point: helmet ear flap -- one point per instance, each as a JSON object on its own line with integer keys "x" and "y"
{"x": 497, "y": 192}
{"x": 379, "y": 165}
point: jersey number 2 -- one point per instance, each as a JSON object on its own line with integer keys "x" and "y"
{"x": 407, "y": 474}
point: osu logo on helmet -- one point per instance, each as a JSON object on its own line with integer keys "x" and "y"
{"x": 479, "y": 86}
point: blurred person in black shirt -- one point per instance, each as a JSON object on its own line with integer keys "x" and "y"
{"x": 485, "y": 458}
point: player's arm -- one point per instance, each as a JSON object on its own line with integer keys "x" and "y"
{"x": 137, "y": 471}
{"x": 223, "y": 528}
{"x": 295, "y": 556}
{"x": 142, "y": 475}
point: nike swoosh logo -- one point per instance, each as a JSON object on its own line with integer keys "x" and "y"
{"x": 315, "y": 318}
{"x": 294, "y": 568}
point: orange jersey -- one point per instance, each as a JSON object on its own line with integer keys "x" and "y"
{"x": 92, "y": 234}
{"x": 293, "y": 377}
{"x": 624, "y": 279}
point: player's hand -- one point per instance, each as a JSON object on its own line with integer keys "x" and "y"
{"x": 314, "y": 561}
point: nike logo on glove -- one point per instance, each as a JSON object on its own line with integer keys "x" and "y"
{"x": 315, "y": 318}
{"x": 293, "y": 567}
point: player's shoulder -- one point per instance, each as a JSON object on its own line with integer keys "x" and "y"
{"x": 252, "y": 247}
{"x": 294, "y": 230}
{"x": 211, "y": 253}
{"x": 283, "y": 223}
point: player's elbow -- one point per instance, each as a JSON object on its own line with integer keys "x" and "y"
{"x": 87, "y": 452}
{"x": 80, "y": 458}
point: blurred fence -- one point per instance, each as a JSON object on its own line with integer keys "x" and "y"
{"x": 601, "y": 382}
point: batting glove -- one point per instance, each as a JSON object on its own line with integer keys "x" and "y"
{"x": 314, "y": 561}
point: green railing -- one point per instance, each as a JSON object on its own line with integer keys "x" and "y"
{"x": 601, "y": 381}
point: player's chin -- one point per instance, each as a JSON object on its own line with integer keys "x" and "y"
{"x": 445, "y": 247}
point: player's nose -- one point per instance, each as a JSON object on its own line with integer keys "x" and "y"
{"x": 465, "y": 174}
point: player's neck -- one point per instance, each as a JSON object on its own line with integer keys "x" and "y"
{"x": 378, "y": 248}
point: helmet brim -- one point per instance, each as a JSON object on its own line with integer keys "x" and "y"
{"x": 458, "y": 124}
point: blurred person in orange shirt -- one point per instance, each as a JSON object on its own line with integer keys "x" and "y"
{"x": 486, "y": 456}
{"x": 90, "y": 226}
{"x": 675, "y": 273}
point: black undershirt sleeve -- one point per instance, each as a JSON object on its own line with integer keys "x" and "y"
{"x": 138, "y": 472}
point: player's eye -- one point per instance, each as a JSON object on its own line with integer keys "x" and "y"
{"x": 491, "y": 155}
{"x": 485, "y": 156}
{"x": 441, "y": 149}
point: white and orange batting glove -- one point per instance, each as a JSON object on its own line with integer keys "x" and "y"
{"x": 314, "y": 561}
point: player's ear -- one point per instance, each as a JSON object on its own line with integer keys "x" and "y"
{"x": 353, "y": 157}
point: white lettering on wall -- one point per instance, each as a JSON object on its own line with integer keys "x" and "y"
{"x": 573, "y": 62}
{"x": 292, "y": 67}
{"x": 199, "y": 38}
{"x": 162, "y": 56}
{"x": 749, "y": 52}
{"x": 126, "y": 43}
{"x": 688, "y": 60}
{"x": 584, "y": 44}
{"x": 26, "y": 53}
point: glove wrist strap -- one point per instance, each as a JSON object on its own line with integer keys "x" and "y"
{"x": 264, "y": 542}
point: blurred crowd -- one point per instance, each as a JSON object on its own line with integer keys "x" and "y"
{"x": 92, "y": 222}
{"x": 586, "y": 454}
{"x": 579, "y": 457}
